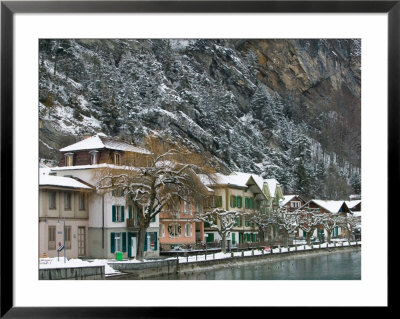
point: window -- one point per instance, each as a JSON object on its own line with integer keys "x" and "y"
{"x": 188, "y": 230}
{"x": 233, "y": 201}
{"x": 210, "y": 202}
{"x": 150, "y": 243}
{"x": 67, "y": 200}
{"x": 295, "y": 204}
{"x": 82, "y": 198}
{"x": 94, "y": 157}
{"x": 174, "y": 230}
{"x": 52, "y": 200}
{"x": 162, "y": 230}
{"x": 239, "y": 201}
{"x": 188, "y": 207}
{"x": 117, "y": 159}
{"x": 67, "y": 237}
{"x": 199, "y": 208}
{"x": 118, "y": 242}
{"x": 118, "y": 213}
{"x": 69, "y": 159}
{"x": 218, "y": 201}
{"x": 52, "y": 238}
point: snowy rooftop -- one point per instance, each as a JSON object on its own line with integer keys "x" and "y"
{"x": 352, "y": 203}
{"x": 51, "y": 180}
{"x": 238, "y": 179}
{"x": 286, "y": 199}
{"x": 101, "y": 141}
{"x": 332, "y": 206}
{"x": 243, "y": 178}
{"x": 102, "y": 165}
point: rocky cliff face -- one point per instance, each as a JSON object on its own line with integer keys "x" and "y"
{"x": 288, "y": 109}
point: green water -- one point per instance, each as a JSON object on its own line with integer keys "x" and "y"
{"x": 334, "y": 266}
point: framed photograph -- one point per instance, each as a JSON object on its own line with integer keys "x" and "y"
{"x": 281, "y": 111}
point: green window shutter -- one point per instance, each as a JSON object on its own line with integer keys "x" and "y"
{"x": 153, "y": 219}
{"x": 124, "y": 242}
{"x": 123, "y": 213}
{"x": 240, "y": 221}
{"x": 113, "y": 193}
{"x": 237, "y": 221}
{"x": 114, "y": 213}
{"x": 155, "y": 240}
{"x": 233, "y": 239}
{"x": 235, "y": 200}
{"x": 145, "y": 242}
{"x": 130, "y": 212}
{"x": 241, "y": 201}
{"x": 112, "y": 243}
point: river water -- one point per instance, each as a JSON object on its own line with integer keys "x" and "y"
{"x": 334, "y": 266}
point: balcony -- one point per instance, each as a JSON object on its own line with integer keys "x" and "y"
{"x": 131, "y": 223}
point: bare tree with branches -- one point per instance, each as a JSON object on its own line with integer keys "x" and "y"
{"x": 287, "y": 221}
{"x": 169, "y": 175}
{"x": 308, "y": 222}
{"x": 348, "y": 222}
{"x": 221, "y": 220}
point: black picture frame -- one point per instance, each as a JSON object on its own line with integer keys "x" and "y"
{"x": 9, "y": 8}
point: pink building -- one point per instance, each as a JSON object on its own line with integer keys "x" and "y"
{"x": 178, "y": 225}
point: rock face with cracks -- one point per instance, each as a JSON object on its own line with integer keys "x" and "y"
{"x": 286, "y": 109}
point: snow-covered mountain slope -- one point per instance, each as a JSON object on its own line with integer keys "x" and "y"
{"x": 284, "y": 109}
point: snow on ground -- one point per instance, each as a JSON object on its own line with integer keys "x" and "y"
{"x": 46, "y": 263}
{"x": 256, "y": 252}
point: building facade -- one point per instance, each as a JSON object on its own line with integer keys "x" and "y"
{"x": 113, "y": 223}
{"x": 63, "y": 216}
{"x": 178, "y": 225}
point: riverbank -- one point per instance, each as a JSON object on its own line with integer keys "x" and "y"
{"x": 186, "y": 265}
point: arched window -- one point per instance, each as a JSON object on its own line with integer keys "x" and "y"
{"x": 93, "y": 157}
{"x": 174, "y": 230}
{"x": 188, "y": 230}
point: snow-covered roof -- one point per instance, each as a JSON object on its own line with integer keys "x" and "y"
{"x": 272, "y": 183}
{"x": 352, "y": 203}
{"x": 332, "y": 206}
{"x": 61, "y": 181}
{"x": 357, "y": 214}
{"x": 243, "y": 178}
{"x": 94, "y": 166}
{"x": 101, "y": 141}
{"x": 286, "y": 199}
{"x": 44, "y": 170}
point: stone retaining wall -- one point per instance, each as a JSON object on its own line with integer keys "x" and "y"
{"x": 73, "y": 273}
{"x": 148, "y": 269}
